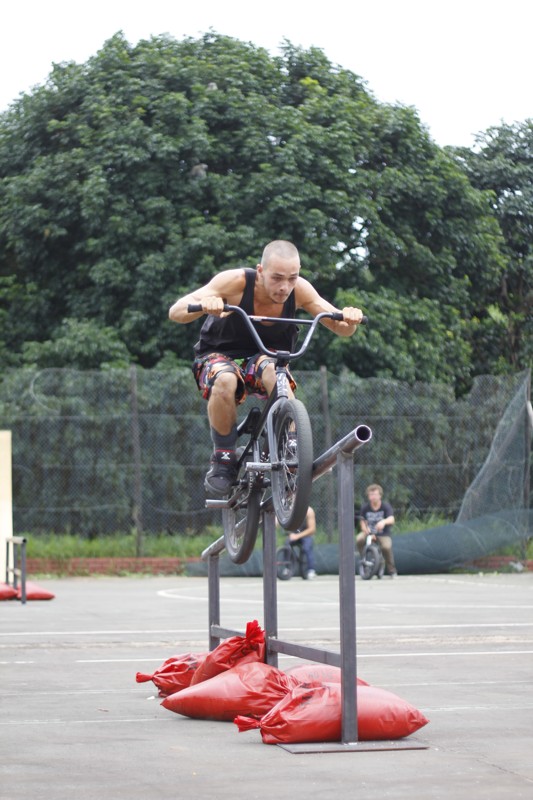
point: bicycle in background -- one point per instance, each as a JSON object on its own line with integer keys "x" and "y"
{"x": 291, "y": 560}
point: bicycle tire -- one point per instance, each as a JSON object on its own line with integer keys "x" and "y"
{"x": 284, "y": 562}
{"x": 241, "y": 519}
{"x": 292, "y": 479}
{"x": 369, "y": 565}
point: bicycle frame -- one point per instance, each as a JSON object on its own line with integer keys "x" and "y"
{"x": 283, "y": 357}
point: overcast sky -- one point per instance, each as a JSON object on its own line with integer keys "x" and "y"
{"x": 464, "y": 65}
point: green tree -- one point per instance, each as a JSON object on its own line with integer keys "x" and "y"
{"x": 503, "y": 163}
{"x": 128, "y": 180}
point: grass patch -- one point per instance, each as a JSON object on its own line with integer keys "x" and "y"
{"x": 62, "y": 547}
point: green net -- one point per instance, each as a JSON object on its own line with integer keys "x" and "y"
{"x": 494, "y": 513}
{"x": 97, "y": 453}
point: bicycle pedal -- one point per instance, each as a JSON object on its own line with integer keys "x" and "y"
{"x": 223, "y": 502}
{"x": 258, "y": 466}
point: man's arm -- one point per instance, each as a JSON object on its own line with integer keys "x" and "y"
{"x": 310, "y": 530}
{"x": 383, "y": 523}
{"x": 364, "y": 526}
{"x": 226, "y": 287}
{"x": 386, "y": 521}
{"x": 308, "y": 298}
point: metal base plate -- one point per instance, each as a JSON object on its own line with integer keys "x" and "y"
{"x": 353, "y": 747}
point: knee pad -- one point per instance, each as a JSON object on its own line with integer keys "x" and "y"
{"x": 218, "y": 369}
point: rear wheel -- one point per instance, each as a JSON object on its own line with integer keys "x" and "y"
{"x": 241, "y": 518}
{"x": 369, "y": 564}
{"x": 293, "y": 464}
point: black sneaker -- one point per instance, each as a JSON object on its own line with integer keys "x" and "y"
{"x": 223, "y": 473}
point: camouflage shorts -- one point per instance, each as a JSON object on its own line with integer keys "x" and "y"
{"x": 247, "y": 370}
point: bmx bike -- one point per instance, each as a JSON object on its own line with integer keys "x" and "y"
{"x": 291, "y": 559}
{"x": 275, "y": 463}
{"x": 371, "y": 562}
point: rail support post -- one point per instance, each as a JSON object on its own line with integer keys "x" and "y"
{"x": 270, "y": 586}
{"x": 347, "y": 620}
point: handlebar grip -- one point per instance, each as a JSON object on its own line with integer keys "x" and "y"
{"x": 337, "y": 315}
{"x": 192, "y": 307}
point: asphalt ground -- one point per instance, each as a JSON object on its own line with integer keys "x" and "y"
{"x": 75, "y": 724}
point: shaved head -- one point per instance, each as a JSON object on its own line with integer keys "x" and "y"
{"x": 279, "y": 249}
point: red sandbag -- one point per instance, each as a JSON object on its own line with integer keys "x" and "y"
{"x": 323, "y": 673}
{"x": 232, "y": 651}
{"x": 7, "y": 592}
{"x": 251, "y": 689}
{"x": 313, "y": 714}
{"x": 35, "y": 592}
{"x": 174, "y": 674}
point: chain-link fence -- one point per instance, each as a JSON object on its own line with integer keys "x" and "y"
{"x": 96, "y": 453}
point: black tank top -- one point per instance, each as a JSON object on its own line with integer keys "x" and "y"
{"x": 229, "y": 336}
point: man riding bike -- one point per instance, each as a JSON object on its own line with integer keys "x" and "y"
{"x": 227, "y": 366}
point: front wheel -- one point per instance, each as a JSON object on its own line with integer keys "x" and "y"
{"x": 370, "y": 562}
{"x": 292, "y": 464}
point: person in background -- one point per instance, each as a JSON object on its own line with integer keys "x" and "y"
{"x": 377, "y": 517}
{"x": 304, "y": 538}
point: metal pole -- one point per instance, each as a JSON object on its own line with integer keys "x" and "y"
{"x": 16, "y": 564}
{"x": 527, "y": 459}
{"x": 348, "y": 444}
{"x": 137, "y": 469}
{"x": 23, "y": 571}
{"x": 270, "y": 586}
{"x": 6, "y": 495}
{"x": 347, "y": 598}
{"x": 213, "y": 583}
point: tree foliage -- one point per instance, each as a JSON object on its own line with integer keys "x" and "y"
{"x": 503, "y": 164}
{"x": 132, "y": 178}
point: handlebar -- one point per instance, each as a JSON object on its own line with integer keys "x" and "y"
{"x": 284, "y": 354}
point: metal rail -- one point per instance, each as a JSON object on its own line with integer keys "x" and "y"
{"x": 340, "y": 455}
